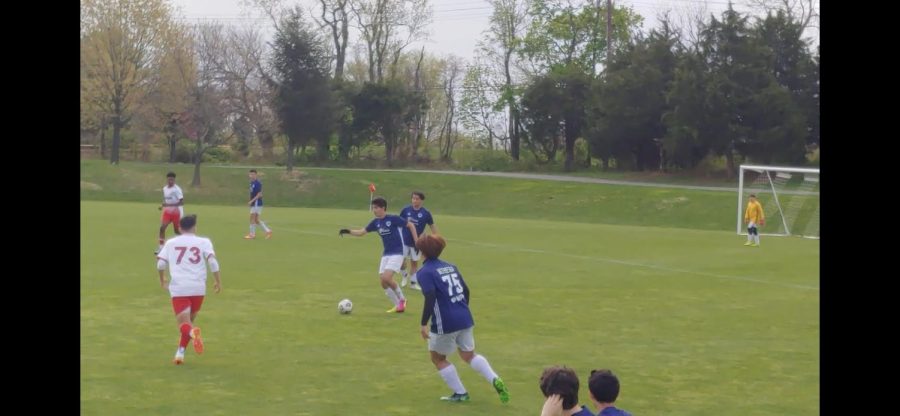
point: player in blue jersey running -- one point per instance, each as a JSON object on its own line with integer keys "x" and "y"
{"x": 447, "y": 306}
{"x": 389, "y": 227}
{"x": 419, "y": 216}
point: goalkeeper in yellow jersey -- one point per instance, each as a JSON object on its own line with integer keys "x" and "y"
{"x": 755, "y": 218}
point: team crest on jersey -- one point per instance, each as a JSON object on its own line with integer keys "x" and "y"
{"x": 388, "y": 223}
{"x": 420, "y": 215}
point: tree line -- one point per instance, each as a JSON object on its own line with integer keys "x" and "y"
{"x": 549, "y": 77}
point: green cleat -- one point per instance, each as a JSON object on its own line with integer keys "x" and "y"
{"x": 754, "y": 245}
{"x": 501, "y": 390}
{"x": 748, "y": 243}
{"x": 456, "y": 397}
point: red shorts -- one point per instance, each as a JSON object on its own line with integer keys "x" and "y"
{"x": 180, "y": 303}
{"x": 173, "y": 217}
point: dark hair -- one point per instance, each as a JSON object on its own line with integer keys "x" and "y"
{"x": 752, "y": 195}
{"x": 188, "y": 221}
{"x": 431, "y": 245}
{"x": 379, "y": 202}
{"x": 604, "y": 385}
{"x": 420, "y": 194}
{"x": 253, "y": 170}
{"x": 562, "y": 381}
{"x": 170, "y": 175}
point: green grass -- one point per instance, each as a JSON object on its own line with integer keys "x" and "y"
{"x": 692, "y": 322}
{"x": 445, "y": 194}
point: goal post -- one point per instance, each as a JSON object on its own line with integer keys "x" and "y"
{"x": 789, "y": 197}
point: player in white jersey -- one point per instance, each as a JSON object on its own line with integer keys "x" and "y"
{"x": 186, "y": 257}
{"x": 172, "y": 208}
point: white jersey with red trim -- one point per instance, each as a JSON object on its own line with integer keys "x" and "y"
{"x": 187, "y": 255}
{"x": 171, "y": 195}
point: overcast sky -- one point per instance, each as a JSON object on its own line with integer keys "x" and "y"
{"x": 457, "y": 24}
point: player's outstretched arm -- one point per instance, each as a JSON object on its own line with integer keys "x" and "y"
{"x": 355, "y": 233}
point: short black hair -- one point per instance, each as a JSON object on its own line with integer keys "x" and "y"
{"x": 604, "y": 385}
{"x": 170, "y": 175}
{"x": 752, "y": 195}
{"x": 379, "y": 202}
{"x": 253, "y": 170}
{"x": 188, "y": 222}
{"x": 420, "y": 194}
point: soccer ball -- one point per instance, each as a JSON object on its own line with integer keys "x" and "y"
{"x": 345, "y": 306}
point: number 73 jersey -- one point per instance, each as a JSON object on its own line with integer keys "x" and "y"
{"x": 186, "y": 255}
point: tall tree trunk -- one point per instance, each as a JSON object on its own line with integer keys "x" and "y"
{"x": 103, "y": 138}
{"x": 570, "y": 149}
{"x": 117, "y": 139}
{"x": 172, "y": 147}
{"x": 729, "y": 163}
{"x": 290, "y": 156}
{"x": 198, "y": 158}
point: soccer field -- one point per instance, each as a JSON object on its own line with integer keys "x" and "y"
{"x": 692, "y": 322}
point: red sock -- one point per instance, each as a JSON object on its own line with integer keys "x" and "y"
{"x": 185, "y": 335}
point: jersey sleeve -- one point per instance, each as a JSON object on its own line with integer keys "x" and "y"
{"x": 207, "y": 249}
{"x": 371, "y": 227}
{"x": 164, "y": 252}
{"x": 428, "y": 218}
{"x": 426, "y": 280}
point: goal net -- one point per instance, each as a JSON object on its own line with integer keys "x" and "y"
{"x": 789, "y": 197}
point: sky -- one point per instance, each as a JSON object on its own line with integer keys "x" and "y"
{"x": 457, "y": 25}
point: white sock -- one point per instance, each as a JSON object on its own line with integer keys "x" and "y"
{"x": 451, "y": 377}
{"x": 403, "y": 273}
{"x": 756, "y": 238}
{"x": 252, "y": 229}
{"x": 264, "y": 226}
{"x": 392, "y": 296}
{"x": 481, "y": 365}
{"x": 414, "y": 278}
{"x": 399, "y": 293}
{"x": 180, "y": 351}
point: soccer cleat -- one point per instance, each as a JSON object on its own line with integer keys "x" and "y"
{"x": 249, "y": 236}
{"x": 198, "y": 342}
{"x": 392, "y": 310}
{"x": 748, "y": 243}
{"x": 501, "y": 389}
{"x": 268, "y": 234}
{"x": 754, "y": 245}
{"x": 402, "y": 306}
{"x": 456, "y": 397}
{"x": 415, "y": 285}
{"x": 157, "y": 250}
{"x": 179, "y": 358}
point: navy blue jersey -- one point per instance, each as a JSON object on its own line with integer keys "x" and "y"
{"x": 256, "y": 188}
{"x": 613, "y": 411}
{"x": 389, "y": 228}
{"x": 451, "y": 308}
{"x": 420, "y": 218}
{"x": 583, "y": 412}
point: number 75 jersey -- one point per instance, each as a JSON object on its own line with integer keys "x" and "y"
{"x": 451, "y": 308}
{"x": 186, "y": 255}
